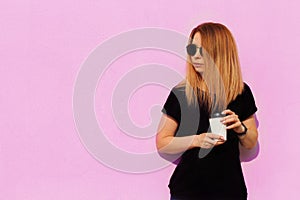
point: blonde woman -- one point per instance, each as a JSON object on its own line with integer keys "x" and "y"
{"x": 209, "y": 166}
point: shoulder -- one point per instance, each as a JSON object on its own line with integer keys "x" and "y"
{"x": 179, "y": 90}
{"x": 246, "y": 90}
{"x": 176, "y": 94}
{"x": 246, "y": 87}
{"x": 244, "y": 105}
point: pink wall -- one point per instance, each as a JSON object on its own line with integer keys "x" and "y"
{"x": 43, "y": 45}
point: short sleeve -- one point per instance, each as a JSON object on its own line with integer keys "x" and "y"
{"x": 172, "y": 107}
{"x": 249, "y": 107}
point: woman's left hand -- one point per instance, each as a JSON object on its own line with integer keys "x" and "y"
{"x": 232, "y": 121}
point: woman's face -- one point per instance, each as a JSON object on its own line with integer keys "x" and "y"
{"x": 197, "y": 59}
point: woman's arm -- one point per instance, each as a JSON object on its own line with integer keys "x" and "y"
{"x": 232, "y": 121}
{"x": 167, "y": 143}
{"x": 249, "y": 140}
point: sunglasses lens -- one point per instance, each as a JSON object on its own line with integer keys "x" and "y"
{"x": 191, "y": 49}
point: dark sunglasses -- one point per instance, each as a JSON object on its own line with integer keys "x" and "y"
{"x": 192, "y": 49}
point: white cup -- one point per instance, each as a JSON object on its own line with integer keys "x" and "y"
{"x": 217, "y": 127}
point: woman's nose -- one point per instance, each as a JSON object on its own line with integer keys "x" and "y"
{"x": 197, "y": 54}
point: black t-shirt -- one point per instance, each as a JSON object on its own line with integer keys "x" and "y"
{"x": 201, "y": 173}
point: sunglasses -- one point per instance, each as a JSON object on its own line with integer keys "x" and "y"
{"x": 192, "y": 49}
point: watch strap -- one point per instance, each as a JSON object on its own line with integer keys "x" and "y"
{"x": 245, "y": 131}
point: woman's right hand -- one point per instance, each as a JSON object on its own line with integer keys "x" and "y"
{"x": 208, "y": 140}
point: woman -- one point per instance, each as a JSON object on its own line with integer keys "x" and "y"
{"x": 209, "y": 166}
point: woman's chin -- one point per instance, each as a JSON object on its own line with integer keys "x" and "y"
{"x": 199, "y": 70}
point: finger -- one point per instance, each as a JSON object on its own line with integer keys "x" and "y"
{"x": 227, "y": 112}
{"x": 234, "y": 125}
{"x": 230, "y": 119}
{"x": 230, "y": 116}
{"x": 211, "y": 141}
{"x": 219, "y": 143}
{"x": 215, "y": 141}
{"x": 214, "y": 136}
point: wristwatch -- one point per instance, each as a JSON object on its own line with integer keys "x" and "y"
{"x": 245, "y": 131}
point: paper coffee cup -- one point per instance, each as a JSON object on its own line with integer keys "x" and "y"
{"x": 217, "y": 127}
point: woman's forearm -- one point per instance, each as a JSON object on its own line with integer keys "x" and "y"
{"x": 249, "y": 140}
{"x": 175, "y": 145}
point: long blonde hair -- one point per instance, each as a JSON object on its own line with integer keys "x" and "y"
{"x": 221, "y": 80}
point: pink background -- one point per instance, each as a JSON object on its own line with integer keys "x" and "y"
{"x": 42, "y": 46}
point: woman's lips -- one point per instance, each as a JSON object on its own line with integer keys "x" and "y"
{"x": 198, "y": 64}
